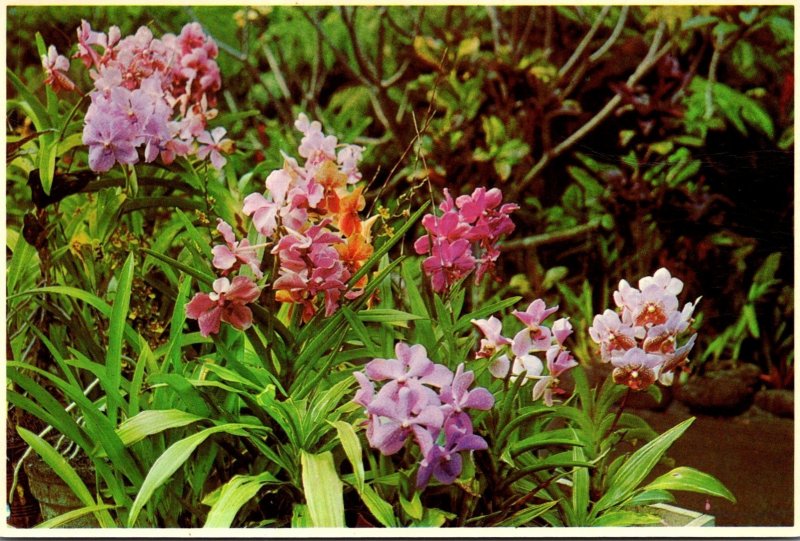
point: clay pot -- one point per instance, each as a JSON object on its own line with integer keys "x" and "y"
{"x": 54, "y": 496}
{"x": 24, "y": 509}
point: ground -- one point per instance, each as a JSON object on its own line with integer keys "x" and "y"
{"x": 752, "y": 454}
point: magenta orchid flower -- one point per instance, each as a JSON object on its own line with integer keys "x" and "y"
{"x": 444, "y": 462}
{"x": 228, "y": 256}
{"x": 227, "y": 302}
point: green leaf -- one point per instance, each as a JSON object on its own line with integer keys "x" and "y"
{"x": 563, "y": 436}
{"x": 414, "y": 507}
{"x": 386, "y": 315}
{"x": 626, "y": 518}
{"x": 62, "y": 520}
{"x": 692, "y": 480}
{"x": 169, "y": 462}
{"x": 150, "y": 422}
{"x": 380, "y": 508}
{"x": 233, "y": 495}
{"x": 39, "y": 114}
{"x": 352, "y": 448}
{"x": 323, "y": 490}
{"x": 649, "y": 497}
{"x": 638, "y": 466}
{"x": 522, "y": 518}
{"x": 464, "y": 322}
{"x": 580, "y": 486}
{"x": 201, "y": 276}
{"x": 119, "y": 316}
{"x": 66, "y": 472}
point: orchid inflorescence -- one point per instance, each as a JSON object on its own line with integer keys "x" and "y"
{"x": 465, "y": 237}
{"x": 310, "y": 218}
{"x": 534, "y": 338}
{"x": 148, "y": 92}
{"x": 640, "y": 339}
{"x": 426, "y": 401}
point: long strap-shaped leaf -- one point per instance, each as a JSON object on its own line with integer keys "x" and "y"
{"x": 233, "y": 495}
{"x": 119, "y": 315}
{"x": 637, "y": 467}
{"x": 323, "y": 490}
{"x": 172, "y": 459}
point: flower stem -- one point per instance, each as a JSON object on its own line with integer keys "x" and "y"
{"x": 619, "y": 411}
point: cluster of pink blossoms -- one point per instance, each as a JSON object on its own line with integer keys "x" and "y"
{"x": 465, "y": 237}
{"x": 534, "y": 338}
{"x": 310, "y": 218}
{"x": 153, "y": 93}
{"x": 426, "y": 401}
{"x": 641, "y": 339}
{"x": 312, "y": 213}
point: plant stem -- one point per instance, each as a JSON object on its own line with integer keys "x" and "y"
{"x": 619, "y": 411}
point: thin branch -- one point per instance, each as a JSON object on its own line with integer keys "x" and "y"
{"x": 367, "y": 69}
{"x": 653, "y": 55}
{"x": 340, "y": 56}
{"x": 712, "y": 79}
{"x": 526, "y": 32}
{"x": 584, "y": 42}
{"x": 276, "y": 70}
{"x": 492, "y": 11}
{"x": 623, "y": 15}
{"x": 548, "y": 238}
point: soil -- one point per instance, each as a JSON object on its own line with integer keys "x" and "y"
{"x": 752, "y": 454}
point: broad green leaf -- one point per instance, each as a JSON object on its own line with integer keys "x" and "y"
{"x": 323, "y": 490}
{"x": 170, "y": 461}
{"x": 626, "y": 518}
{"x": 150, "y": 422}
{"x": 352, "y": 448}
{"x": 380, "y": 508}
{"x": 67, "y": 473}
{"x": 300, "y": 516}
{"x": 233, "y": 495}
{"x": 580, "y": 486}
{"x": 414, "y": 507}
{"x": 60, "y": 521}
{"x": 638, "y": 466}
{"x": 692, "y": 480}
{"x": 649, "y": 497}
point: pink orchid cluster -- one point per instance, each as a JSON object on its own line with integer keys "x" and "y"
{"x": 227, "y": 302}
{"x": 640, "y": 339}
{"x": 426, "y": 401}
{"x": 534, "y": 338}
{"x": 465, "y": 237}
{"x": 312, "y": 214}
{"x": 310, "y": 218}
{"x": 153, "y": 93}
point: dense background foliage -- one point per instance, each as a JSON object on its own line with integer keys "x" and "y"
{"x": 672, "y": 176}
{"x": 632, "y": 138}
